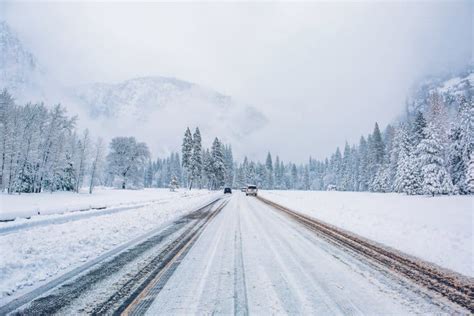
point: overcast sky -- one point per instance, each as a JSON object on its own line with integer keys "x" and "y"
{"x": 322, "y": 73}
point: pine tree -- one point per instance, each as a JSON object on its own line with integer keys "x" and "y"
{"x": 208, "y": 167}
{"x": 363, "y": 181}
{"x": 435, "y": 176}
{"x": 186, "y": 153}
{"x": 229, "y": 166}
{"x": 346, "y": 172}
{"x": 418, "y": 129}
{"x": 174, "y": 184}
{"x": 406, "y": 178}
{"x": 218, "y": 166}
{"x": 269, "y": 172}
{"x": 376, "y": 155}
{"x": 461, "y": 139}
{"x": 196, "y": 160}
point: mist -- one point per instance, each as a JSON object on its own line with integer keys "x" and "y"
{"x": 322, "y": 73}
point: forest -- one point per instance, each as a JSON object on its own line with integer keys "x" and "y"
{"x": 429, "y": 151}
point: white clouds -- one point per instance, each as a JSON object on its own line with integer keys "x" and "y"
{"x": 317, "y": 64}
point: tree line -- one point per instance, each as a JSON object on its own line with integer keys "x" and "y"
{"x": 430, "y": 152}
{"x": 196, "y": 167}
{"x": 41, "y": 150}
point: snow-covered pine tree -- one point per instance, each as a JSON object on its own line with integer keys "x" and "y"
{"x": 268, "y": 184}
{"x": 208, "y": 168}
{"x": 186, "y": 154}
{"x": 174, "y": 184}
{"x": 294, "y": 184}
{"x": 196, "y": 160}
{"x": 435, "y": 177}
{"x": 376, "y": 154}
{"x": 363, "y": 181}
{"x": 406, "y": 180}
{"x": 346, "y": 172}
{"x": 229, "y": 166}
{"x": 277, "y": 174}
{"x": 246, "y": 171}
{"x": 418, "y": 129}
{"x": 461, "y": 139}
{"x": 218, "y": 166}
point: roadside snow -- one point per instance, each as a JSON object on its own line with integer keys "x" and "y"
{"x": 29, "y": 204}
{"x": 37, "y": 254}
{"x": 439, "y": 230}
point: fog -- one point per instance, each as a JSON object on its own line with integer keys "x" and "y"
{"x": 322, "y": 73}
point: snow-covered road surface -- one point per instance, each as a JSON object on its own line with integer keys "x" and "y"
{"x": 47, "y": 246}
{"x": 235, "y": 256}
{"x": 252, "y": 259}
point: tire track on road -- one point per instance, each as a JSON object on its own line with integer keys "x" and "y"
{"x": 240, "y": 288}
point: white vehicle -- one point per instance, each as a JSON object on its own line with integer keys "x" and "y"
{"x": 251, "y": 190}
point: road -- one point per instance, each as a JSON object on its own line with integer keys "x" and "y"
{"x": 252, "y": 259}
{"x": 234, "y": 256}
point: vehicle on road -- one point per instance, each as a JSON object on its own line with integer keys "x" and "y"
{"x": 251, "y": 190}
{"x": 244, "y": 189}
{"x": 227, "y": 191}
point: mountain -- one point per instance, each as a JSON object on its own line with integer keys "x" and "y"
{"x": 19, "y": 70}
{"x": 154, "y": 109}
{"x": 167, "y": 105}
{"x": 449, "y": 86}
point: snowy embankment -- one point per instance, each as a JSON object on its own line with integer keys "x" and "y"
{"x": 439, "y": 230}
{"x": 29, "y": 204}
{"x": 34, "y": 254}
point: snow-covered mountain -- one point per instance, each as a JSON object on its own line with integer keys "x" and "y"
{"x": 19, "y": 69}
{"x": 167, "y": 103}
{"x": 155, "y": 109}
{"x": 449, "y": 86}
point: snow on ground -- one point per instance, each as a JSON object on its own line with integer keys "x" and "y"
{"x": 28, "y": 204}
{"x": 439, "y": 230}
{"x": 35, "y": 254}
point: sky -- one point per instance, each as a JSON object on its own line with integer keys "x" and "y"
{"x": 321, "y": 72}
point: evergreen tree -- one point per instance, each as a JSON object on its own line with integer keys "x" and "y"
{"x": 269, "y": 172}
{"x": 229, "y": 166}
{"x": 208, "y": 165}
{"x": 346, "y": 172}
{"x": 186, "y": 154}
{"x": 218, "y": 166}
{"x": 461, "y": 139}
{"x": 435, "y": 176}
{"x": 363, "y": 180}
{"x": 196, "y": 160}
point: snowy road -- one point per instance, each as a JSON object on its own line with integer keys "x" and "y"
{"x": 252, "y": 259}
{"x": 235, "y": 256}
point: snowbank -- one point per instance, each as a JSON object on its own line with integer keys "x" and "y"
{"x": 37, "y": 254}
{"x": 29, "y": 204}
{"x": 439, "y": 230}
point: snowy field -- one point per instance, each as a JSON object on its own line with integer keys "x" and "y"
{"x": 29, "y": 204}
{"x": 61, "y": 242}
{"x": 439, "y": 230}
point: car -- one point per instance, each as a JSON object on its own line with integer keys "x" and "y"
{"x": 227, "y": 191}
{"x": 251, "y": 190}
{"x": 244, "y": 189}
